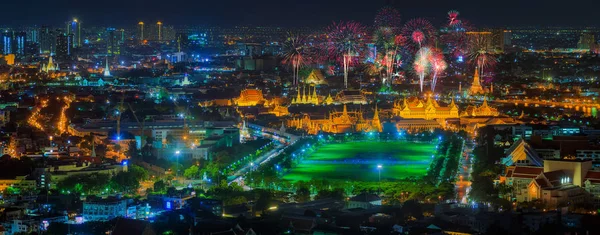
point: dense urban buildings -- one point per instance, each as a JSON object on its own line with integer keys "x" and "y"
{"x": 426, "y": 125}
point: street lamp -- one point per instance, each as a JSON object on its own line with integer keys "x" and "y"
{"x": 379, "y": 166}
{"x": 177, "y": 162}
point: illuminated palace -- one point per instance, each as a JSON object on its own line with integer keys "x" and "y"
{"x": 254, "y": 97}
{"x": 414, "y": 108}
{"x": 482, "y": 111}
{"x": 338, "y": 122}
{"x": 250, "y": 97}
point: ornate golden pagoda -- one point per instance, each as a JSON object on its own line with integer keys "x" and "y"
{"x": 476, "y": 87}
{"x": 306, "y": 98}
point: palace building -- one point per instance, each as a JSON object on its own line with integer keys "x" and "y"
{"x": 415, "y": 108}
{"x": 351, "y": 97}
{"x": 316, "y": 77}
{"x": 482, "y": 111}
{"x": 250, "y": 97}
{"x": 338, "y": 122}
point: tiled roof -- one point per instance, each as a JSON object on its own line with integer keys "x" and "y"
{"x": 527, "y": 170}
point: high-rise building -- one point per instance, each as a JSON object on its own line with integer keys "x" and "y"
{"x": 482, "y": 38}
{"x": 159, "y": 30}
{"x": 47, "y": 40}
{"x": 507, "y": 38}
{"x": 7, "y": 43}
{"x": 587, "y": 41}
{"x": 498, "y": 40}
{"x": 19, "y": 43}
{"x": 64, "y": 46}
{"x": 33, "y": 35}
{"x": 140, "y": 32}
{"x": 74, "y": 27}
{"x": 113, "y": 41}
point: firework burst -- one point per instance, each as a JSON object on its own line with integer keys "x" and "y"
{"x": 421, "y": 64}
{"x": 420, "y": 31}
{"x": 456, "y": 39}
{"x": 438, "y": 65}
{"x": 389, "y": 42}
{"x": 388, "y": 17}
{"x": 294, "y": 54}
{"x": 453, "y": 18}
{"x": 345, "y": 44}
{"x": 479, "y": 47}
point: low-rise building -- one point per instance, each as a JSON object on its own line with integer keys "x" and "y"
{"x": 104, "y": 209}
{"x": 364, "y": 200}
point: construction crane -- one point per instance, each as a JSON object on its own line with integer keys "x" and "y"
{"x": 186, "y": 129}
{"x": 142, "y": 124}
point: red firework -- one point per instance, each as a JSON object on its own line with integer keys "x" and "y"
{"x": 420, "y": 31}
{"x": 345, "y": 38}
{"x": 438, "y": 65}
{"x": 346, "y": 44}
{"x": 399, "y": 40}
{"x": 418, "y": 37}
{"x": 453, "y": 18}
{"x": 388, "y": 17}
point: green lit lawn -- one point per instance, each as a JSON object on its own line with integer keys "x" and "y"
{"x": 358, "y": 161}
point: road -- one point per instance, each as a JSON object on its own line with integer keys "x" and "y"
{"x": 265, "y": 157}
{"x": 262, "y": 159}
{"x": 463, "y": 183}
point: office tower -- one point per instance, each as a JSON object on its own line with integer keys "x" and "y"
{"x": 113, "y": 41}
{"x": 507, "y": 38}
{"x": 19, "y": 43}
{"x": 47, "y": 40}
{"x": 64, "y": 46}
{"x": 33, "y": 35}
{"x": 586, "y": 41}
{"x": 499, "y": 39}
{"x": 483, "y": 38}
{"x": 140, "y": 32}
{"x": 159, "y": 30}
{"x": 7, "y": 42}
{"x": 74, "y": 27}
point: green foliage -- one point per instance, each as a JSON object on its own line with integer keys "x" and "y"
{"x": 337, "y": 193}
{"x": 192, "y": 172}
{"x": 303, "y": 194}
{"x": 230, "y": 194}
{"x": 160, "y": 186}
{"x": 94, "y": 183}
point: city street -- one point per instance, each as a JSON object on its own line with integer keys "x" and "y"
{"x": 463, "y": 183}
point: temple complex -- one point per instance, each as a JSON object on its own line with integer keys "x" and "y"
{"x": 338, "y": 122}
{"x": 50, "y": 66}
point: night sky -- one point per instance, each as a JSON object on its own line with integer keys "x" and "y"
{"x": 122, "y": 13}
